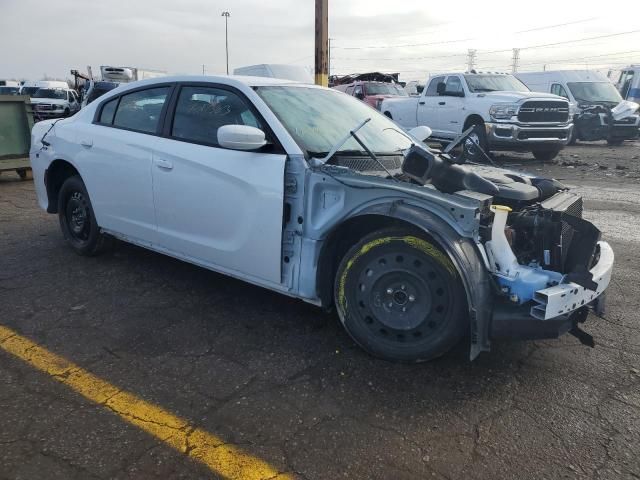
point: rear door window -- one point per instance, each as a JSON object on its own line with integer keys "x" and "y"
{"x": 108, "y": 111}
{"x": 141, "y": 110}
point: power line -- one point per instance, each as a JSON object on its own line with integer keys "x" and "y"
{"x": 548, "y": 27}
{"x": 545, "y": 45}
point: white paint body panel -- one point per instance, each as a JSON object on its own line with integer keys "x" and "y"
{"x": 221, "y": 206}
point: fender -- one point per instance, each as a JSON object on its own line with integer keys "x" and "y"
{"x": 465, "y": 256}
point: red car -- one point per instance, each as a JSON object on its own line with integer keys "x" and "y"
{"x": 372, "y": 92}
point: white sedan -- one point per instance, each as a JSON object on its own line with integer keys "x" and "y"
{"x": 311, "y": 193}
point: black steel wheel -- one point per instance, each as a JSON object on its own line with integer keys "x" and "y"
{"x": 400, "y": 297}
{"x": 77, "y": 220}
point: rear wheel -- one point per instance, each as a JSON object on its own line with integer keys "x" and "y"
{"x": 615, "y": 142}
{"x": 77, "y": 220}
{"x": 546, "y": 155}
{"x": 400, "y": 297}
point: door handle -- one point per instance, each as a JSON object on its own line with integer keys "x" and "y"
{"x": 86, "y": 143}
{"x": 164, "y": 164}
{"x": 421, "y": 102}
{"x": 442, "y": 103}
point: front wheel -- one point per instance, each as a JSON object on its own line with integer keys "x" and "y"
{"x": 546, "y": 155}
{"x": 400, "y": 297}
{"x": 77, "y": 220}
{"x": 473, "y": 144}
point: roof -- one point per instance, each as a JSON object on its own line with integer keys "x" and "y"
{"x": 226, "y": 79}
{"x": 568, "y": 75}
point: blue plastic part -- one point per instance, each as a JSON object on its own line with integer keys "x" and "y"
{"x": 528, "y": 281}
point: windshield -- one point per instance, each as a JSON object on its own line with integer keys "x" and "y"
{"x": 9, "y": 90}
{"x": 55, "y": 93}
{"x": 385, "y": 89}
{"x": 594, "y": 92}
{"x": 29, "y": 90}
{"x": 318, "y": 118}
{"x": 494, "y": 83}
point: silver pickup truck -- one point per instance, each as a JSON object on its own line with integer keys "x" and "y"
{"x": 507, "y": 116}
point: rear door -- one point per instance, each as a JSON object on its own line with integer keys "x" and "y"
{"x": 220, "y": 207}
{"x": 427, "y": 110}
{"x": 115, "y": 160}
{"x": 450, "y": 107}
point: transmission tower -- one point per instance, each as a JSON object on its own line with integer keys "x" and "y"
{"x": 515, "y": 60}
{"x": 471, "y": 59}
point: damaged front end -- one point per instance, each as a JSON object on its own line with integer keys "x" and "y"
{"x": 547, "y": 263}
{"x": 606, "y": 121}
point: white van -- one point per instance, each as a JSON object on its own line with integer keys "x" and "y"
{"x": 295, "y": 73}
{"x": 592, "y": 97}
{"x": 9, "y": 83}
{"x": 629, "y": 83}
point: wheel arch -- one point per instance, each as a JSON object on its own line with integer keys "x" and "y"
{"x": 462, "y": 251}
{"x": 473, "y": 119}
{"x": 57, "y": 172}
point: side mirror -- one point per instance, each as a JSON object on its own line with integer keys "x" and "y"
{"x": 241, "y": 137}
{"x": 440, "y": 88}
{"x": 360, "y": 96}
{"x": 421, "y": 133}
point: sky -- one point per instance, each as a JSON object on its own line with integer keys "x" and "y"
{"x": 413, "y": 37}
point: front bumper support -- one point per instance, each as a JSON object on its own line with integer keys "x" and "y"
{"x": 567, "y": 297}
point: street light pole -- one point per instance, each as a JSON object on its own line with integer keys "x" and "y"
{"x": 226, "y": 16}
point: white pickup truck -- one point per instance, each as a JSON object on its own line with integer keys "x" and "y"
{"x": 507, "y": 115}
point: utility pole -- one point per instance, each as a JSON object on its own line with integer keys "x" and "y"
{"x": 203, "y": 69}
{"x": 226, "y": 16}
{"x": 322, "y": 43}
{"x": 471, "y": 59}
{"x": 515, "y": 60}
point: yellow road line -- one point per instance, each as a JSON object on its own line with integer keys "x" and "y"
{"x": 225, "y": 460}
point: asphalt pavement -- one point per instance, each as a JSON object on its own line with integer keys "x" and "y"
{"x": 252, "y": 376}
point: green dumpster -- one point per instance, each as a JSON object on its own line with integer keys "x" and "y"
{"x": 16, "y": 120}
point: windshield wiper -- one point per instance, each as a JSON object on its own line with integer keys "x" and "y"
{"x": 321, "y": 161}
{"x": 342, "y": 141}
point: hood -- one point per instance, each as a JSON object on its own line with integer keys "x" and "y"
{"x": 514, "y": 97}
{"x": 624, "y": 109}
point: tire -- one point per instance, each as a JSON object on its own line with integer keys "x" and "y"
{"x": 22, "y": 173}
{"x": 615, "y": 142}
{"x": 546, "y": 155}
{"x": 391, "y": 270}
{"x": 469, "y": 147}
{"x": 66, "y": 112}
{"x": 77, "y": 220}
{"x": 573, "y": 139}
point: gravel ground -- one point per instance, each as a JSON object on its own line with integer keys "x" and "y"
{"x": 283, "y": 381}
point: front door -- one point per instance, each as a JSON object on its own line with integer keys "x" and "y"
{"x": 220, "y": 207}
{"x": 450, "y": 106}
